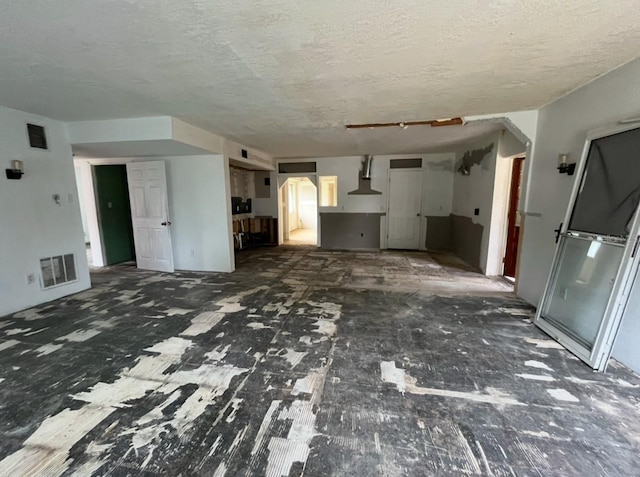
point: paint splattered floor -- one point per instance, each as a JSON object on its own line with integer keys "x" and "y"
{"x": 305, "y": 362}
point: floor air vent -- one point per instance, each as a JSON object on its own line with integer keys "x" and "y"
{"x": 58, "y": 270}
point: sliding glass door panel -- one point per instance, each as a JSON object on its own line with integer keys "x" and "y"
{"x": 581, "y": 287}
{"x": 589, "y": 281}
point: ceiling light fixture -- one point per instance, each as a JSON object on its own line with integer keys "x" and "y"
{"x": 405, "y": 124}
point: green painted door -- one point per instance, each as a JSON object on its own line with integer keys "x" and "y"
{"x": 114, "y": 211}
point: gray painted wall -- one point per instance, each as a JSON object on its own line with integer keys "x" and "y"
{"x": 438, "y": 233}
{"x": 466, "y": 239}
{"x": 354, "y": 231}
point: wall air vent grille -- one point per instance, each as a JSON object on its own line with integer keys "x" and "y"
{"x": 58, "y": 270}
{"x": 37, "y": 136}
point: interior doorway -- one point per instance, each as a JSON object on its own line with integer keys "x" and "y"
{"x": 125, "y": 211}
{"x": 513, "y": 220}
{"x": 299, "y": 211}
{"x": 114, "y": 212}
{"x": 404, "y": 209}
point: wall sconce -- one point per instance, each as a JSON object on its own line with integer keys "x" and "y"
{"x": 16, "y": 171}
{"x": 563, "y": 165}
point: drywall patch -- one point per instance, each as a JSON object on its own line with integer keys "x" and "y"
{"x": 476, "y": 157}
{"x": 445, "y": 165}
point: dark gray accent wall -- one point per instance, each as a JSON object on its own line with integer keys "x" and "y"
{"x": 405, "y": 163}
{"x": 263, "y": 190}
{"x": 350, "y": 231}
{"x": 466, "y": 239}
{"x": 438, "y": 233}
{"x": 296, "y": 167}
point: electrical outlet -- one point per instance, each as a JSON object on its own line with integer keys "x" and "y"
{"x": 31, "y": 279}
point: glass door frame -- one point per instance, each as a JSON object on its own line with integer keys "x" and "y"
{"x": 598, "y": 356}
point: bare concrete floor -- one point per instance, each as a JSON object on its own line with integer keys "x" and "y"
{"x": 302, "y": 237}
{"x": 305, "y": 362}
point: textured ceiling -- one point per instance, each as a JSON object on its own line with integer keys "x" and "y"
{"x": 285, "y": 76}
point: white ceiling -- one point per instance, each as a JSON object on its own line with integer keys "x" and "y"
{"x": 286, "y": 76}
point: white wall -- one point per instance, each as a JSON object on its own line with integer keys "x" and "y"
{"x": 438, "y": 185}
{"x": 475, "y": 191}
{"x": 562, "y": 128}
{"x": 508, "y": 147}
{"x": 307, "y": 204}
{"x": 199, "y": 209}
{"x": 87, "y": 199}
{"x": 33, "y": 226}
{"x": 268, "y": 207}
{"x": 487, "y": 188}
{"x": 80, "y": 186}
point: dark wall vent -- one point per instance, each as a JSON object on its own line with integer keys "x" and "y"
{"x": 37, "y": 136}
{"x": 245, "y": 154}
{"x": 296, "y": 167}
{"x": 406, "y": 163}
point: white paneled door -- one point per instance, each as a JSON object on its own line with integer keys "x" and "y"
{"x": 150, "y": 215}
{"x": 405, "y": 199}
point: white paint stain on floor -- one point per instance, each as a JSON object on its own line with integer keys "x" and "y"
{"x": 79, "y": 336}
{"x": 64, "y": 429}
{"x": 536, "y": 377}
{"x": 537, "y": 364}
{"x": 562, "y": 395}
{"x": 255, "y": 325}
{"x": 8, "y": 344}
{"x": 294, "y": 357}
{"x": 406, "y": 383}
{"x": 48, "y": 349}
{"x": 544, "y": 343}
{"x": 16, "y": 331}
{"x": 203, "y": 323}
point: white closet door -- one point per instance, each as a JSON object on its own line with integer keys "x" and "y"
{"x": 405, "y": 199}
{"x": 150, "y": 215}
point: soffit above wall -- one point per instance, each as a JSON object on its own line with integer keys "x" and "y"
{"x": 140, "y": 137}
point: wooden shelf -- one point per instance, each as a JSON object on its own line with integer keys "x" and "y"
{"x": 254, "y": 232}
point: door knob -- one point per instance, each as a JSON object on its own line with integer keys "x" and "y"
{"x": 165, "y": 223}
